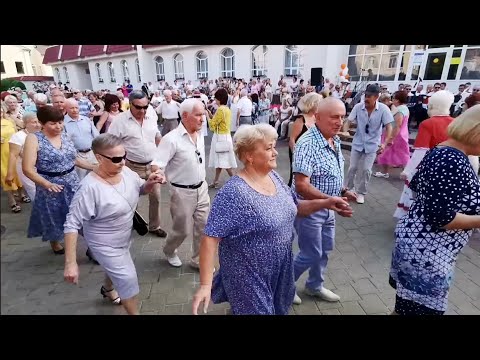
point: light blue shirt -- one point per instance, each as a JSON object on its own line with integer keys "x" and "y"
{"x": 379, "y": 117}
{"x": 81, "y": 132}
{"x": 313, "y": 157}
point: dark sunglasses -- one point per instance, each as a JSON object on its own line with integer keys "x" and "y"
{"x": 437, "y": 87}
{"x": 76, "y": 92}
{"x": 140, "y": 107}
{"x": 199, "y": 157}
{"x": 115, "y": 159}
{"x": 366, "y": 129}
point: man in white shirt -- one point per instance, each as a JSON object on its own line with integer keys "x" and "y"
{"x": 244, "y": 106}
{"x": 141, "y": 137}
{"x": 168, "y": 110}
{"x": 181, "y": 154}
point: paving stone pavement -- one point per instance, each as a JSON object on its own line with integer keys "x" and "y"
{"x": 32, "y": 276}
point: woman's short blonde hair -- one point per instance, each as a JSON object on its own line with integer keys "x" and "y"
{"x": 247, "y": 136}
{"x": 466, "y": 127}
{"x": 309, "y": 102}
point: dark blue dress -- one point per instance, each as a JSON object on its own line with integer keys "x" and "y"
{"x": 424, "y": 256}
{"x": 50, "y": 209}
{"x": 255, "y": 251}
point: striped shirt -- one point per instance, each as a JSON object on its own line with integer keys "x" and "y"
{"x": 313, "y": 157}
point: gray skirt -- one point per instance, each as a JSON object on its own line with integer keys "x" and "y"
{"x": 118, "y": 265}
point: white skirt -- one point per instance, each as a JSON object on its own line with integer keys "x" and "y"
{"x": 28, "y": 185}
{"x": 225, "y": 160}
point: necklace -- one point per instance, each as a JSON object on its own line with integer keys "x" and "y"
{"x": 270, "y": 193}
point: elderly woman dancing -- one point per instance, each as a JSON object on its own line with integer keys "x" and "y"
{"x": 252, "y": 219}
{"x": 104, "y": 206}
{"x": 440, "y": 221}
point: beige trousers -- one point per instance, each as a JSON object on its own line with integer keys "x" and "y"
{"x": 189, "y": 209}
{"x": 89, "y": 157}
{"x": 153, "y": 198}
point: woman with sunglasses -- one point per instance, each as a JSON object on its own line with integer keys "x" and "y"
{"x": 53, "y": 155}
{"x": 104, "y": 206}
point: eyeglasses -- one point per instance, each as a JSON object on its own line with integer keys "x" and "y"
{"x": 437, "y": 87}
{"x": 115, "y": 159}
{"x": 199, "y": 157}
{"x": 476, "y": 90}
{"x": 140, "y": 107}
{"x": 76, "y": 92}
{"x": 366, "y": 129}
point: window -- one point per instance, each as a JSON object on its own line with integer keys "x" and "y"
{"x": 19, "y": 66}
{"x": 471, "y": 65}
{"x": 202, "y": 65}
{"x": 371, "y": 66}
{"x": 137, "y": 69}
{"x": 124, "y": 66}
{"x": 111, "y": 72}
{"x": 34, "y": 68}
{"x": 2, "y": 67}
{"x": 227, "y": 60}
{"x": 57, "y": 74}
{"x": 454, "y": 63}
{"x": 178, "y": 66}
{"x": 99, "y": 73}
{"x": 388, "y": 67}
{"x": 259, "y": 63}
{"x": 292, "y": 60}
{"x": 65, "y": 72}
{"x": 392, "y": 61}
{"x": 159, "y": 68}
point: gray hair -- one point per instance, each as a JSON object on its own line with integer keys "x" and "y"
{"x": 440, "y": 102}
{"x": 136, "y": 95}
{"x": 243, "y": 93}
{"x": 28, "y": 116}
{"x": 10, "y": 97}
{"x": 71, "y": 101}
{"x": 247, "y": 136}
{"x": 105, "y": 141}
{"x": 188, "y": 104}
{"x": 40, "y": 98}
{"x": 167, "y": 93}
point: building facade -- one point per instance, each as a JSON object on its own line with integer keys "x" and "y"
{"x": 23, "y": 60}
{"x": 108, "y": 66}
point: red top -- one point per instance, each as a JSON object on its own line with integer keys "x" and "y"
{"x": 432, "y": 132}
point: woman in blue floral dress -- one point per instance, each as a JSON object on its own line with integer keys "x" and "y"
{"x": 252, "y": 220}
{"x": 49, "y": 160}
{"x": 440, "y": 221}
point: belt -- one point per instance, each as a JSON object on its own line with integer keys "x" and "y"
{"x": 245, "y": 115}
{"x": 54, "y": 174}
{"x": 188, "y": 186}
{"x": 84, "y": 151}
{"x": 137, "y": 163}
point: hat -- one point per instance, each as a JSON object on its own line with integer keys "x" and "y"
{"x": 372, "y": 89}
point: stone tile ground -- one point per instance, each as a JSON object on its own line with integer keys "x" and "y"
{"x": 32, "y": 277}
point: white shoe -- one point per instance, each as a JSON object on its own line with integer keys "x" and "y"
{"x": 380, "y": 174}
{"x": 323, "y": 293}
{"x": 174, "y": 260}
{"x": 194, "y": 264}
{"x": 360, "y": 198}
{"x": 296, "y": 299}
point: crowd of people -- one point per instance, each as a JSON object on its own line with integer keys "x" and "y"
{"x": 86, "y": 158}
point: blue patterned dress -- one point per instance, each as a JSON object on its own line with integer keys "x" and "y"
{"x": 255, "y": 251}
{"x": 50, "y": 209}
{"x": 424, "y": 257}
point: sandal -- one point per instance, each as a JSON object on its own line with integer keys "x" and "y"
{"x": 16, "y": 208}
{"x": 104, "y": 292}
{"x": 215, "y": 185}
{"x": 26, "y": 199}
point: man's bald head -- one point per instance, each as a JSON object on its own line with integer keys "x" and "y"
{"x": 329, "y": 116}
{"x": 71, "y": 106}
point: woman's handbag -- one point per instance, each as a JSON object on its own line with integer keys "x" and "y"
{"x": 139, "y": 224}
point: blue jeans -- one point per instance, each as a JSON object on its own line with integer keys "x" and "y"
{"x": 316, "y": 239}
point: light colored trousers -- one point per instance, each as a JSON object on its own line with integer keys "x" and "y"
{"x": 316, "y": 240}
{"x": 89, "y": 157}
{"x": 360, "y": 169}
{"x": 153, "y": 198}
{"x": 189, "y": 209}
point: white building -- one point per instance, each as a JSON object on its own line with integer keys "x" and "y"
{"x": 107, "y": 66}
{"x": 23, "y": 60}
